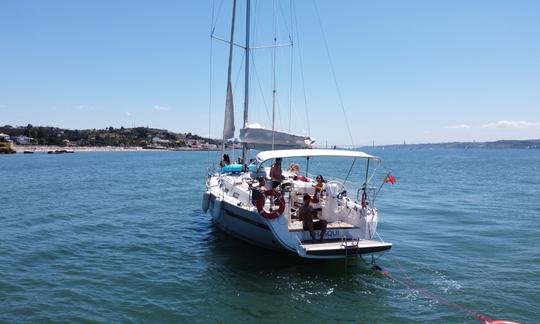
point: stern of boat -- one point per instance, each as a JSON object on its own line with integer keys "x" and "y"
{"x": 339, "y": 249}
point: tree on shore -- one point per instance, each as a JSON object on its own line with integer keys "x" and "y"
{"x": 138, "y": 136}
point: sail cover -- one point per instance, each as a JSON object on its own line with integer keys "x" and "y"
{"x": 228, "y": 127}
{"x": 259, "y": 138}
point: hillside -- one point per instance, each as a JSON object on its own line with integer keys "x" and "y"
{"x": 138, "y": 136}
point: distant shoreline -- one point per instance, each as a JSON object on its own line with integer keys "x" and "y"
{"x": 502, "y": 144}
{"x": 47, "y": 148}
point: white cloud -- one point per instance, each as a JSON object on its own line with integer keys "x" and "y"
{"x": 83, "y": 107}
{"x": 161, "y": 108}
{"x": 461, "y": 126}
{"x": 511, "y": 124}
{"x": 128, "y": 113}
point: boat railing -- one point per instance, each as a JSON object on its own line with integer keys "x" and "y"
{"x": 370, "y": 194}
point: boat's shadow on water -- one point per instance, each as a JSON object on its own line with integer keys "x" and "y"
{"x": 234, "y": 265}
{"x": 241, "y": 255}
{"x": 250, "y": 271}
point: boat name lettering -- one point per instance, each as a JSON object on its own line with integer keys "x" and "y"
{"x": 332, "y": 233}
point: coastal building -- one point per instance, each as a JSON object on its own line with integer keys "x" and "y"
{"x": 196, "y": 144}
{"x": 4, "y": 137}
{"x": 211, "y": 147}
{"x": 23, "y": 140}
{"x": 200, "y": 145}
{"x": 192, "y": 143}
{"x": 159, "y": 140}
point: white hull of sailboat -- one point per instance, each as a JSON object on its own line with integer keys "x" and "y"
{"x": 242, "y": 224}
{"x": 232, "y": 213}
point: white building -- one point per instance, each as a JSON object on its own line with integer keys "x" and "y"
{"x": 159, "y": 140}
{"x": 23, "y": 140}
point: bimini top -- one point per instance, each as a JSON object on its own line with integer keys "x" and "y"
{"x": 267, "y": 155}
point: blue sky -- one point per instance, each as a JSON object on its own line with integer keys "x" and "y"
{"x": 414, "y": 71}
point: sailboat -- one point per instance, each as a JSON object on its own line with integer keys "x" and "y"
{"x": 243, "y": 203}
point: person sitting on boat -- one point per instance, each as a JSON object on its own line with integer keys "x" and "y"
{"x": 294, "y": 169}
{"x": 225, "y": 161}
{"x": 258, "y": 190}
{"x": 306, "y": 215}
{"x": 275, "y": 173}
{"x": 320, "y": 189}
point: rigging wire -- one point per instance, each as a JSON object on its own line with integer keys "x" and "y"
{"x": 292, "y": 60}
{"x": 241, "y": 65}
{"x": 291, "y": 90}
{"x": 301, "y": 68}
{"x": 277, "y": 16}
{"x": 349, "y": 173}
{"x": 274, "y": 74}
{"x": 279, "y": 120}
{"x": 253, "y": 66}
{"x": 215, "y": 18}
{"x": 288, "y": 30}
{"x": 261, "y": 90}
{"x": 333, "y": 72}
{"x": 277, "y": 34}
{"x": 239, "y": 73}
{"x": 212, "y": 26}
{"x": 216, "y": 14}
{"x": 282, "y": 12}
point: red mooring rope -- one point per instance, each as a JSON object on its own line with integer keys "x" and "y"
{"x": 484, "y": 318}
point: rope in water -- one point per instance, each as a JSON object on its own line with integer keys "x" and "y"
{"x": 425, "y": 293}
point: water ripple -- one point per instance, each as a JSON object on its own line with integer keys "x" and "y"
{"x": 102, "y": 237}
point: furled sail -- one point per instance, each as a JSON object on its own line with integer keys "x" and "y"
{"x": 259, "y": 138}
{"x": 228, "y": 124}
{"x": 228, "y": 128}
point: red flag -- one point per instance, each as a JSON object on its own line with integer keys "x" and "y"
{"x": 391, "y": 179}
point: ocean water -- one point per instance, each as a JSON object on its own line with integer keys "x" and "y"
{"x": 108, "y": 237}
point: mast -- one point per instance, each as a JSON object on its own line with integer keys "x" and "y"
{"x": 274, "y": 95}
{"x": 274, "y": 80}
{"x": 228, "y": 124}
{"x": 246, "y": 87}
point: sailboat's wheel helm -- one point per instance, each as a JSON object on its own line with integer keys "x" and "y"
{"x": 335, "y": 189}
{"x": 270, "y": 214}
